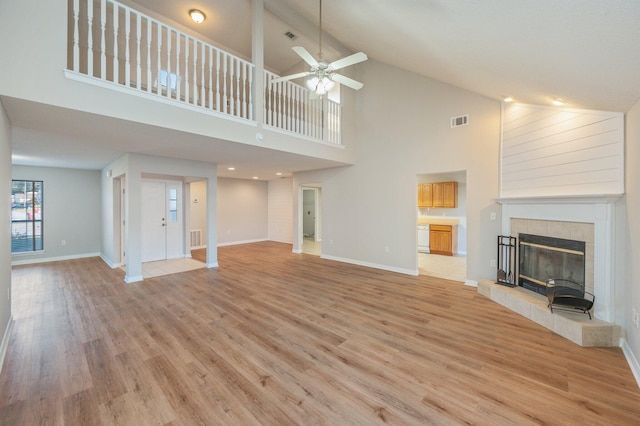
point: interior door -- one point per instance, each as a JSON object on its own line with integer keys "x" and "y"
{"x": 154, "y": 221}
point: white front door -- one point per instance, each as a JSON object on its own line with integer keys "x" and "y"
{"x": 161, "y": 220}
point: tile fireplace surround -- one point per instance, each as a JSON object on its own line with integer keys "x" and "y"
{"x": 591, "y": 219}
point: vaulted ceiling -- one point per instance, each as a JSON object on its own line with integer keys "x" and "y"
{"x": 583, "y": 51}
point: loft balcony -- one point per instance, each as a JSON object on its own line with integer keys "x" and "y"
{"x": 115, "y": 46}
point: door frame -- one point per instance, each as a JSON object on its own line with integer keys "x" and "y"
{"x": 317, "y": 189}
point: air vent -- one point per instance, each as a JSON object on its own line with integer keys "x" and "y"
{"x": 462, "y": 120}
{"x": 290, "y": 35}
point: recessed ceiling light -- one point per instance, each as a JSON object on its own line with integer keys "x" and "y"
{"x": 198, "y": 16}
{"x": 231, "y": 168}
{"x": 278, "y": 174}
{"x": 507, "y": 99}
{"x": 558, "y": 101}
{"x": 256, "y": 177}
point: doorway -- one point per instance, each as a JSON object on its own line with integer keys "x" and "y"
{"x": 162, "y": 223}
{"x": 310, "y": 221}
{"x": 444, "y": 222}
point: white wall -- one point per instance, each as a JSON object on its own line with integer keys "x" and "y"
{"x": 242, "y": 210}
{"x": 5, "y": 230}
{"x": 561, "y": 151}
{"x": 632, "y": 261}
{"x": 280, "y": 210}
{"x": 198, "y": 209}
{"x": 71, "y": 212}
{"x": 401, "y": 128}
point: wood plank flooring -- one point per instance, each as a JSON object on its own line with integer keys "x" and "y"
{"x": 277, "y": 338}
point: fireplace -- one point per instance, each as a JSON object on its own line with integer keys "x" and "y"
{"x": 542, "y": 258}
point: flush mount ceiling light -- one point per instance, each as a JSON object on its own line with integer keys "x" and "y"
{"x": 198, "y": 16}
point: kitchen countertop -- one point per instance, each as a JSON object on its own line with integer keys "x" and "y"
{"x": 438, "y": 221}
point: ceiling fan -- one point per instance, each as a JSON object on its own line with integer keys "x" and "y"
{"x": 324, "y": 74}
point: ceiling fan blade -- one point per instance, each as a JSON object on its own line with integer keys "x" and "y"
{"x": 349, "y": 60}
{"x": 290, "y": 77}
{"x": 349, "y": 82}
{"x": 304, "y": 54}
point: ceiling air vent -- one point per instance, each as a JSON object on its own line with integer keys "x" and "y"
{"x": 290, "y": 35}
{"x": 462, "y": 120}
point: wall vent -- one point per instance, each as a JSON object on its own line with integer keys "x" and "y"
{"x": 290, "y": 35}
{"x": 196, "y": 237}
{"x": 462, "y": 120}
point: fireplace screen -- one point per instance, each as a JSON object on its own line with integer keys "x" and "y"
{"x": 544, "y": 258}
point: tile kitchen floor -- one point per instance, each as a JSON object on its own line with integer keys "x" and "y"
{"x": 449, "y": 267}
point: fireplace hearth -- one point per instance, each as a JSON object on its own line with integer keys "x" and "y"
{"x": 543, "y": 258}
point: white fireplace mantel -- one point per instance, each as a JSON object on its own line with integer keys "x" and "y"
{"x": 596, "y": 209}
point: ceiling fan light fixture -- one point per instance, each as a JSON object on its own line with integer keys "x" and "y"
{"x": 312, "y": 83}
{"x": 197, "y": 16}
{"x": 328, "y": 84}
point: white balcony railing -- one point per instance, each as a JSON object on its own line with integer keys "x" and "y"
{"x": 117, "y": 44}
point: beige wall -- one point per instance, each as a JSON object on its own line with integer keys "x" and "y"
{"x": 71, "y": 212}
{"x": 632, "y": 273}
{"x": 5, "y": 231}
{"x": 401, "y": 129}
{"x": 242, "y": 210}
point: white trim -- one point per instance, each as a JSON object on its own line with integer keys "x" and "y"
{"x": 135, "y": 279}
{"x": 109, "y": 263}
{"x": 309, "y": 138}
{"x": 212, "y": 265}
{"x": 471, "y": 283}
{"x": 72, "y": 75}
{"x": 631, "y": 359}
{"x": 54, "y": 259}
{"x": 413, "y": 272}
{"x": 233, "y": 243}
{"x": 5, "y": 341}
{"x": 296, "y": 251}
{"x": 562, "y": 199}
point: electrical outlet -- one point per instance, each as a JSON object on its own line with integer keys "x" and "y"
{"x": 492, "y": 263}
{"x": 63, "y": 242}
{"x": 492, "y": 216}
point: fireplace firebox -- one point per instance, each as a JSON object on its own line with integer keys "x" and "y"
{"x": 544, "y": 258}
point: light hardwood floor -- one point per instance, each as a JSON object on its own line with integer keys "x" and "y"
{"x": 277, "y": 338}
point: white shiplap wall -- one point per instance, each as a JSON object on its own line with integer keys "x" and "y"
{"x": 560, "y": 152}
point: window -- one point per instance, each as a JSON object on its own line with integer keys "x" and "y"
{"x": 173, "y": 205}
{"x": 26, "y": 216}
{"x": 169, "y": 79}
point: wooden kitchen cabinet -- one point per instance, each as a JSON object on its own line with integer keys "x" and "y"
{"x": 425, "y": 195}
{"x": 438, "y": 195}
{"x": 443, "y": 239}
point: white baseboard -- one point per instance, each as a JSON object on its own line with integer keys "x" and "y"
{"x": 109, "y": 263}
{"x": 233, "y": 243}
{"x": 297, "y": 251}
{"x": 198, "y": 247}
{"x": 5, "y": 341}
{"x": 413, "y": 272}
{"x": 54, "y": 259}
{"x": 135, "y": 279}
{"x": 631, "y": 359}
{"x": 212, "y": 265}
{"x": 471, "y": 283}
